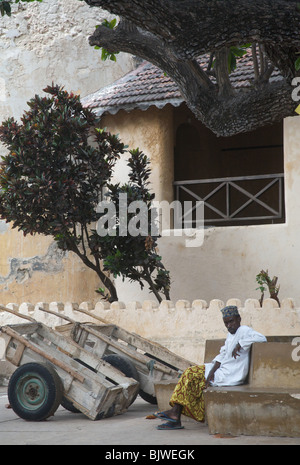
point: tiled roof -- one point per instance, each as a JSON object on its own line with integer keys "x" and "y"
{"x": 148, "y": 85}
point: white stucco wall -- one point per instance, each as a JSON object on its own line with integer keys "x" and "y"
{"x": 230, "y": 258}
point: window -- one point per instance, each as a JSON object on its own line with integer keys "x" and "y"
{"x": 239, "y": 178}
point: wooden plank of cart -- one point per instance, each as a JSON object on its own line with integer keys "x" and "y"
{"x": 53, "y": 369}
{"x": 147, "y": 361}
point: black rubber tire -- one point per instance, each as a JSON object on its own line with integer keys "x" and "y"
{"x": 144, "y": 395}
{"x": 67, "y": 404}
{"x": 148, "y": 397}
{"x": 35, "y": 391}
{"x": 125, "y": 365}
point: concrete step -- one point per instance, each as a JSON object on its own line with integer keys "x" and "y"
{"x": 253, "y": 411}
{"x": 244, "y": 410}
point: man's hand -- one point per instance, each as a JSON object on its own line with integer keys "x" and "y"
{"x": 211, "y": 374}
{"x": 209, "y": 379}
{"x": 235, "y": 352}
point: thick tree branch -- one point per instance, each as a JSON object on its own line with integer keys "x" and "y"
{"x": 255, "y": 61}
{"x": 195, "y": 27}
{"x": 222, "y": 74}
{"x": 128, "y": 38}
{"x": 247, "y": 111}
{"x": 283, "y": 58}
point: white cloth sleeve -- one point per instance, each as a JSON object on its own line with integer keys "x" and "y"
{"x": 249, "y": 337}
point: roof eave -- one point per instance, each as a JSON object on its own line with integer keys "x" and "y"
{"x": 143, "y": 106}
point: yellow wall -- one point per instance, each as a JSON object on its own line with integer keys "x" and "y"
{"x": 151, "y": 132}
{"x": 32, "y": 270}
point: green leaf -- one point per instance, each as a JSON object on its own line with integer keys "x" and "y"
{"x": 110, "y": 24}
{"x": 297, "y": 64}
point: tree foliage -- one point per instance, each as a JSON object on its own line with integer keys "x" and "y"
{"x": 51, "y": 180}
{"x": 5, "y": 5}
{"x": 263, "y": 279}
{"x": 135, "y": 256}
{"x": 174, "y": 34}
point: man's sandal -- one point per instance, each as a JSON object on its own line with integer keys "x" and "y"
{"x": 170, "y": 425}
{"x": 163, "y": 416}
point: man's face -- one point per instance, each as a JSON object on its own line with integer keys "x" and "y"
{"x": 232, "y": 323}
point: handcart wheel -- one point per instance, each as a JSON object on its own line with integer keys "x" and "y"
{"x": 144, "y": 395}
{"x": 124, "y": 365}
{"x": 148, "y": 397}
{"x": 35, "y": 391}
{"x": 68, "y": 405}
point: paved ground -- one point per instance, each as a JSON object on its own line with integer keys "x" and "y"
{"x": 132, "y": 428}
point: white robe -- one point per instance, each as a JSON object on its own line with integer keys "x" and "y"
{"x": 233, "y": 371}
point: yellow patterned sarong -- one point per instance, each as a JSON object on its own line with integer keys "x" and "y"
{"x": 189, "y": 393}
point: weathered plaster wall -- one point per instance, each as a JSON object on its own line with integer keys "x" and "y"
{"x": 48, "y": 41}
{"x": 33, "y": 267}
{"x": 41, "y": 43}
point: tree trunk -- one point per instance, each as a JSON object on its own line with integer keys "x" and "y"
{"x": 105, "y": 280}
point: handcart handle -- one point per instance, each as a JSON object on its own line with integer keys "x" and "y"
{"x": 14, "y": 312}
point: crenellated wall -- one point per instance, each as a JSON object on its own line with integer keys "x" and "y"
{"x": 182, "y": 327}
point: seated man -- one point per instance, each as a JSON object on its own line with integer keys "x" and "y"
{"x": 229, "y": 368}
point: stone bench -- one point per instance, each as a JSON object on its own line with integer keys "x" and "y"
{"x": 267, "y": 405}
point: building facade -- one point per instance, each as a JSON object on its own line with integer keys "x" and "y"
{"x": 249, "y": 185}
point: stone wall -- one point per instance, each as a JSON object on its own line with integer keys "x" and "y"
{"x": 48, "y": 41}
{"x": 182, "y": 327}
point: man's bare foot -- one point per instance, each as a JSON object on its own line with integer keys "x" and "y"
{"x": 172, "y": 413}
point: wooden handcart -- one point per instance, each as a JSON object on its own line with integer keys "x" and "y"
{"x": 148, "y": 362}
{"x": 54, "y": 370}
